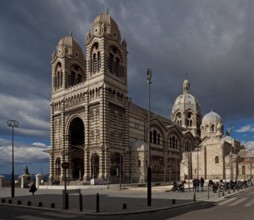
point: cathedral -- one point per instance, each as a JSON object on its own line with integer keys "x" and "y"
{"x": 99, "y": 133}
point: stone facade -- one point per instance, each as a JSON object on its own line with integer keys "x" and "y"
{"x": 103, "y": 135}
{"x": 95, "y": 127}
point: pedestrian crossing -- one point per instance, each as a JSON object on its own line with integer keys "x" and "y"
{"x": 236, "y": 201}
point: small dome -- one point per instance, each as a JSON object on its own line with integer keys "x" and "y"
{"x": 105, "y": 24}
{"x": 67, "y": 45}
{"x": 211, "y": 118}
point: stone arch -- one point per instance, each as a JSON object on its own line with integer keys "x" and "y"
{"x": 95, "y": 165}
{"x": 76, "y": 145}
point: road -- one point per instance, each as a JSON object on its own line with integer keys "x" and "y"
{"x": 235, "y": 207}
{"x": 14, "y": 212}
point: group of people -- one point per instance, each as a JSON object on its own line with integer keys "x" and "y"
{"x": 198, "y": 184}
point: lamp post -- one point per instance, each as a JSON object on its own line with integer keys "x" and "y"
{"x": 149, "y": 169}
{"x": 13, "y": 124}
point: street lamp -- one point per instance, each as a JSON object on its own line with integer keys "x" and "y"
{"x": 149, "y": 169}
{"x": 13, "y": 124}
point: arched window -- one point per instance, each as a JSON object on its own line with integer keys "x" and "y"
{"x": 95, "y": 59}
{"x": 188, "y": 146}
{"x": 179, "y": 119}
{"x": 76, "y": 75}
{"x": 189, "y": 120}
{"x": 217, "y": 159}
{"x": 94, "y": 63}
{"x": 154, "y": 136}
{"x": 173, "y": 141}
{"x": 213, "y": 128}
{"x": 110, "y": 63}
{"x": 58, "y": 77}
{"x": 73, "y": 80}
{"x": 114, "y": 62}
{"x": 117, "y": 66}
{"x": 243, "y": 170}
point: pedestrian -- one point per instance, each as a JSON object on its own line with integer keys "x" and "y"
{"x": 198, "y": 183}
{"x": 202, "y": 181}
{"x": 33, "y": 189}
{"x": 194, "y": 183}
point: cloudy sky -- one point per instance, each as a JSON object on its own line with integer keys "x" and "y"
{"x": 212, "y": 41}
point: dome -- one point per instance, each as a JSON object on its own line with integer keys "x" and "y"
{"x": 105, "y": 24}
{"x": 67, "y": 46}
{"x": 186, "y": 100}
{"x": 211, "y": 118}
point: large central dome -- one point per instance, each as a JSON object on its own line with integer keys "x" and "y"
{"x": 186, "y": 101}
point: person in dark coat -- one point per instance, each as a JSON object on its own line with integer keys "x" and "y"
{"x": 202, "y": 181}
{"x": 33, "y": 189}
{"x": 198, "y": 183}
{"x": 194, "y": 183}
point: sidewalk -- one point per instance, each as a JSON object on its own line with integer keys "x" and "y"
{"x": 111, "y": 201}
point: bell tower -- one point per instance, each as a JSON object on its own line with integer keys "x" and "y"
{"x": 106, "y": 62}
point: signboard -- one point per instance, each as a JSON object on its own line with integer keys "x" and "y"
{"x": 65, "y": 165}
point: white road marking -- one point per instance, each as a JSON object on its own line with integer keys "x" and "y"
{"x": 237, "y": 201}
{"x": 227, "y": 201}
{"x": 250, "y": 203}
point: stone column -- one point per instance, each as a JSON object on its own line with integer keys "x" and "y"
{"x": 38, "y": 180}
{"x": 25, "y": 179}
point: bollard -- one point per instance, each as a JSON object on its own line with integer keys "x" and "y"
{"x": 97, "y": 202}
{"x": 10, "y": 201}
{"x": 40, "y": 204}
{"x": 228, "y": 191}
{"x": 19, "y": 202}
{"x": 29, "y": 203}
{"x": 173, "y": 201}
{"x": 194, "y": 198}
{"x": 80, "y": 202}
{"x": 52, "y": 205}
{"x": 124, "y": 206}
{"x": 65, "y": 200}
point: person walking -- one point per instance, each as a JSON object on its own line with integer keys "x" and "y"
{"x": 202, "y": 181}
{"x": 194, "y": 183}
{"x": 198, "y": 183}
{"x": 33, "y": 189}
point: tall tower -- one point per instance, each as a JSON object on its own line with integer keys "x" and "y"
{"x": 186, "y": 111}
{"x": 89, "y": 105}
{"x": 107, "y": 74}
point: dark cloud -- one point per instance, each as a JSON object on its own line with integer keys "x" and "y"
{"x": 210, "y": 40}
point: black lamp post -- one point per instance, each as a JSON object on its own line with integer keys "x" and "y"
{"x": 13, "y": 124}
{"x": 149, "y": 169}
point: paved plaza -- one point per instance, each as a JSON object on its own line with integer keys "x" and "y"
{"x": 112, "y": 200}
